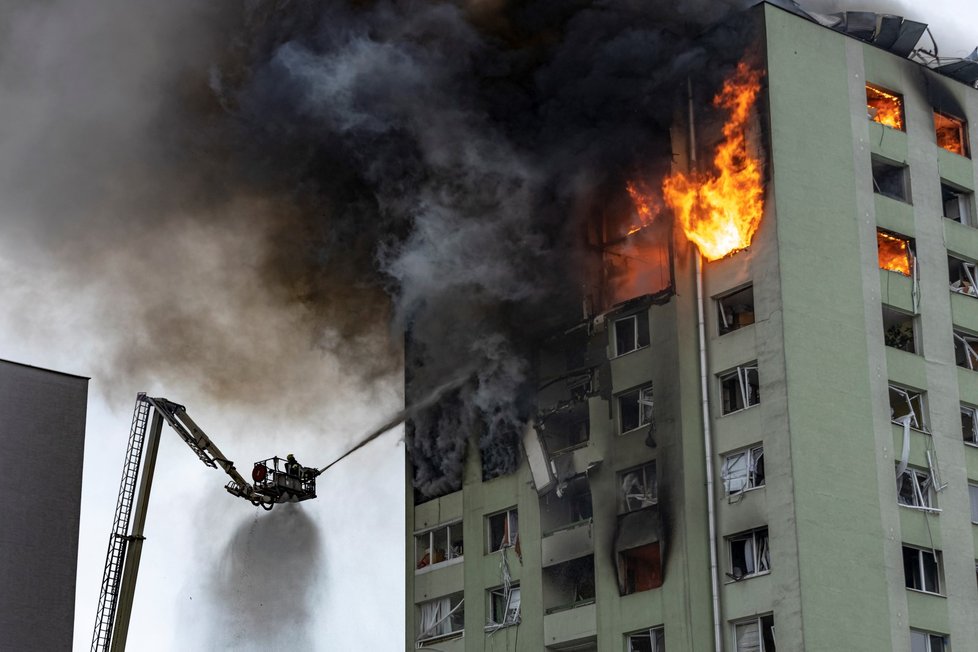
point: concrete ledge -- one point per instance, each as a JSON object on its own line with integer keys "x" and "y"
{"x": 894, "y": 215}
{"x": 926, "y": 611}
{"x": 887, "y": 142}
{"x": 955, "y": 168}
{"x": 961, "y": 239}
{"x": 570, "y": 625}
{"x": 896, "y": 290}
{"x": 568, "y": 543}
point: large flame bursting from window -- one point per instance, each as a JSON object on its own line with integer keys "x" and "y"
{"x": 884, "y": 107}
{"x": 894, "y": 253}
{"x": 721, "y": 210}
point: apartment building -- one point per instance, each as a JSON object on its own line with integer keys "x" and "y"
{"x": 841, "y": 421}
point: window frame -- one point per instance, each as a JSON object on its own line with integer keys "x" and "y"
{"x": 636, "y": 318}
{"x": 742, "y": 374}
{"x": 963, "y": 129}
{"x": 506, "y": 594}
{"x": 945, "y": 640}
{"x": 918, "y": 415}
{"x": 655, "y": 635}
{"x": 973, "y": 499}
{"x": 938, "y": 579}
{"x": 967, "y": 286}
{"x": 645, "y": 402}
{"x": 512, "y": 534}
{"x": 883, "y": 235}
{"x": 760, "y": 555}
{"x": 899, "y": 98}
{"x": 623, "y": 507}
{"x": 724, "y": 328}
{"x": 754, "y": 454}
{"x": 969, "y": 346}
{"x": 965, "y": 201}
{"x": 760, "y": 622}
{"x": 423, "y": 641}
{"x": 883, "y": 166}
{"x": 924, "y": 492}
{"x": 449, "y": 552}
{"x": 963, "y": 408}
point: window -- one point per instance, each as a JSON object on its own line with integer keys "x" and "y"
{"x": 503, "y": 529}
{"x": 631, "y": 333}
{"x": 927, "y": 642}
{"x": 743, "y": 470}
{"x": 969, "y": 423}
{"x": 635, "y": 409}
{"x": 739, "y": 388}
{"x": 650, "y": 640}
{"x": 504, "y": 606}
{"x": 884, "y": 107}
{"x": 637, "y": 488}
{"x": 921, "y": 569}
{"x": 755, "y": 635}
{"x": 749, "y": 554}
{"x": 438, "y": 545}
{"x": 899, "y": 330}
{"x": 973, "y": 495}
{"x": 640, "y": 569}
{"x": 951, "y": 133}
{"x": 440, "y": 619}
{"x": 916, "y": 489}
{"x": 891, "y": 180}
{"x": 966, "y": 350}
{"x": 956, "y": 203}
{"x": 895, "y": 252}
{"x": 736, "y": 310}
{"x": 907, "y": 403}
{"x": 568, "y": 584}
{"x": 962, "y": 275}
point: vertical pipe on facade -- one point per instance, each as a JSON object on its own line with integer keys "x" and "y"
{"x": 705, "y": 402}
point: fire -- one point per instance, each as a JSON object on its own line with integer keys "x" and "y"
{"x": 720, "y": 211}
{"x": 950, "y": 133}
{"x": 894, "y": 253}
{"x": 647, "y": 206}
{"x": 884, "y": 107}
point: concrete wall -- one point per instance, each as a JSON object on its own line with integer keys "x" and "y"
{"x": 42, "y": 437}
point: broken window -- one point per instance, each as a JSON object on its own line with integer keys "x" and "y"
{"x": 631, "y": 333}
{"x": 966, "y": 350}
{"x": 649, "y": 640}
{"x": 916, "y": 489}
{"x": 951, "y": 133}
{"x": 907, "y": 403}
{"x": 503, "y": 529}
{"x": 504, "y": 606}
{"x": 440, "y": 619}
{"x": 755, "y": 635}
{"x": 895, "y": 252}
{"x": 969, "y": 423}
{"x": 568, "y": 505}
{"x": 638, "y": 551}
{"x": 962, "y": 276}
{"x": 566, "y": 428}
{"x": 743, "y": 470}
{"x": 568, "y": 584}
{"x": 956, "y": 203}
{"x": 438, "y": 545}
{"x": 891, "y": 180}
{"x": 749, "y": 554}
{"x": 922, "y": 569}
{"x": 637, "y": 488}
{"x": 739, "y": 388}
{"x": 635, "y": 409}
{"x": 736, "y": 310}
{"x": 927, "y": 642}
{"x": 898, "y": 330}
{"x": 884, "y": 107}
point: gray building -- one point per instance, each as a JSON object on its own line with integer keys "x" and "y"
{"x": 42, "y": 442}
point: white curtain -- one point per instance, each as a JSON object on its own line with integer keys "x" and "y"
{"x": 433, "y": 621}
{"x": 749, "y": 637}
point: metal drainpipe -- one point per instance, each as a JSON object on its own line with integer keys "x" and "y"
{"x": 705, "y": 401}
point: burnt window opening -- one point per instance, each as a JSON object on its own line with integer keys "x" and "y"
{"x": 956, "y": 204}
{"x": 907, "y": 404}
{"x": 891, "y": 180}
{"x": 569, "y": 584}
{"x": 915, "y": 488}
{"x": 568, "y": 505}
{"x": 566, "y": 428}
{"x": 743, "y": 470}
{"x": 922, "y": 569}
{"x": 755, "y": 635}
{"x": 441, "y": 619}
{"x": 649, "y": 640}
{"x": 951, "y": 133}
{"x": 502, "y": 530}
{"x": 899, "y": 330}
{"x": 635, "y": 409}
{"x": 631, "y": 333}
{"x": 884, "y": 106}
{"x": 895, "y": 252}
{"x": 928, "y": 642}
{"x": 438, "y": 545}
{"x": 739, "y": 388}
{"x": 969, "y": 423}
{"x": 640, "y": 569}
{"x": 973, "y": 497}
{"x": 504, "y": 606}
{"x": 963, "y": 276}
{"x": 736, "y": 310}
{"x": 637, "y": 488}
{"x": 965, "y": 350}
{"x": 749, "y": 554}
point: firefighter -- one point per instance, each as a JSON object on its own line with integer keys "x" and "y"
{"x": 292, "y": 467}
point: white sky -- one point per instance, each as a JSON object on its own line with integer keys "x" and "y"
{"x": 353, "y": 591}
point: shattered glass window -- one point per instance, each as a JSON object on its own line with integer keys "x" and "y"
{"x": 907, "y": 403}
{"x": 504, "y": 605}
{"x": 743, "y": 470}
{"x": 965, "y": 350}
{"x": 884, "y": 106}
{"x": 503, "y": 530}
{"x": 635, "y": 409}
{"x": 631, "y": 333}
{"x": 755, "y": 635}
{"x": 739, "y": 388}
{"x": 915, "y": 489}
{"x": 749, "y": 554}
{"x": 637, "y": 488}
{"x": 969, "y": 423}
{"x": 652, "y": 640}
{"x": 951, "y": 133}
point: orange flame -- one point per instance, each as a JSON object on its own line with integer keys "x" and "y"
{"x": 894, "y": 253}
{"x": 647, "y": 207}
{"x": 721, "y": 211}
{"x": 884, "y": 107}
{"x": 950, "y": 133}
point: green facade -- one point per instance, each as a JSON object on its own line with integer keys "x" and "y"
{"x": 829, "y": 499}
